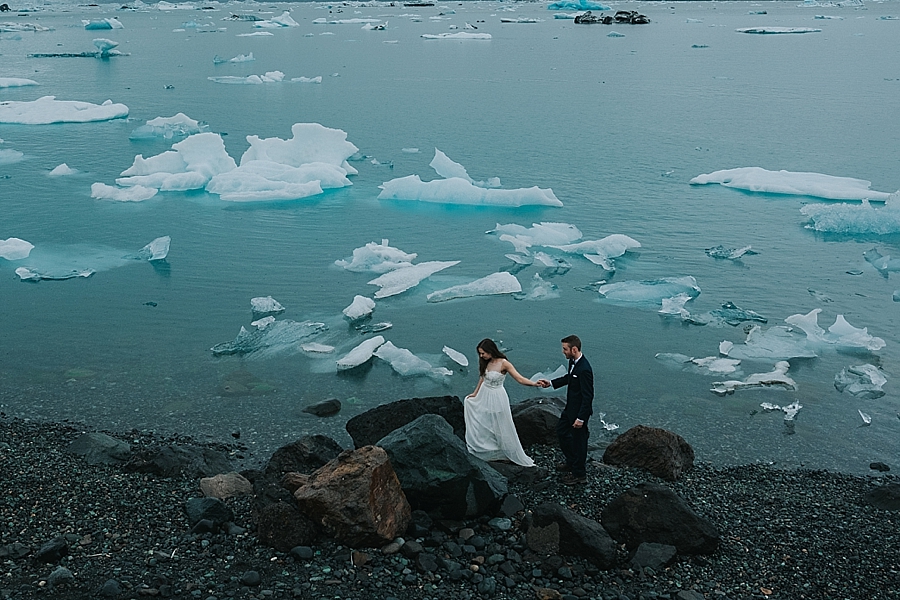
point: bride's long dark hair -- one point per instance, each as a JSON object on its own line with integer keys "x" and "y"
{"x": 488, "y": 345}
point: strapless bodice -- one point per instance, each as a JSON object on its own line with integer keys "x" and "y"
{"x": 494, "y": 379}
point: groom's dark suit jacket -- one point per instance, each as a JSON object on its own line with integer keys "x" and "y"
{"x": 579, "y": 392}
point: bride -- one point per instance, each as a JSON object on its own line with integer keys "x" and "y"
{"x": 490, "y": 432}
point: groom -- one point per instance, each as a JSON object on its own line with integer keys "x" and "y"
{"x": 572, "y": 428}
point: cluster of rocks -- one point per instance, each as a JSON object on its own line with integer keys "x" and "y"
{"x": 627, "y": 17}
{"x": 408, "y": 513}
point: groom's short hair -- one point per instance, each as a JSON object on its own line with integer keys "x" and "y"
{"x": 573, "y": 341}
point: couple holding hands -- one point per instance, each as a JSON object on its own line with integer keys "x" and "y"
{"x": 490, "y": 432}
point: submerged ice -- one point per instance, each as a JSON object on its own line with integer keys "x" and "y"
{"x": 494, "y": 284}
{"x": 650, "y": 292}
{"x": 274, "y": 338}
{"x": 863, "y": 381}
{"x": 778, "y": 377}
{"x": 57, "y": 263}
{"x": 399, "y": 280}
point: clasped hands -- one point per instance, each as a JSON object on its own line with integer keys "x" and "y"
{"x": 544, "y": 383}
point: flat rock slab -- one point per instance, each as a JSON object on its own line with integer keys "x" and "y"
{"x": 372, "y": 425}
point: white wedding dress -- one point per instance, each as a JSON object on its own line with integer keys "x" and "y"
{"x": 490, "y": 432}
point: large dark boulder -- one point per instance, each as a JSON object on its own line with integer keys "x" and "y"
{"x": 536, "y": 420}
{"x": 662, "y": 453}
{"x": 437, "y": 473}
{"x": 213, "y": 509}
{"x": 369, "y": 427}
{"x": 100, "y": 449}
{"x": 554, "y": 528}
{"x": 650, "y": 512}
{"x": 179, "y": 461}
{"x": 305, "y": 455}
{"x": 885, "y": 497}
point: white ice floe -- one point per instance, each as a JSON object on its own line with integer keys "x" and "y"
{"x": 447, "y": 168}
{"x": 179, "y": 125}
{"x": 317, "y": 348}
{"x": 266, "y": 180}
{"x": 790, "y": 411}
{"x": 776, "y": 378}
{"x": 9, "y": 156}
{"x": 729, "y": 253}
{"x": 777, "y": 30}
{"x": 11, "y": 27}
{"x": 360, "y": 307}
{"x": 268, "y": 77}
{"x": 158, "y": 249}
{"x": 840, "y": 335}
{"x": 866, "y": 419}
{"x": 675, "y": 305}
{"x": 355, "y": 21}
{"x": 601, "y": 252}
{"x": 408, "y": 364}
{"x": 855, "y": 219}
{"x": 106, "y": 47}
{"x": 256, "y": 34}
{"x": 377, "y": 258}
{"x": 190, "y": 165}
{"x": 399, "y": 280}
{"x": 62, "y": 170}
{"x": 709, "y": 365}
{"x": 460, "y": 35}
{"x": 108, "y": 23}
{"x": 11, "y": 82}
{"x": 460, "y": 191}
{"x": 284, "y": 20}
{"x": 778, "y": 343}
{"x": 265, "y": 305}
{"x": 519, "y": 20}
{"x": 275, "y": 338}
{"x": 261, "y": 324}
{"x": 829, "y": 17}
{"x": 540, "y": 290}
{"x": 311, "y": 143}
{"x": 539, "y": 234}
{"x": 457, "y": 357}
{"x": 240, "y": 58}
{"x": 650, "y": 292}
{"x": 577, "y": 5}
{"x": 316, "y": 79}
{"x": 15, "y": 249}
{"x": 615, "y": 34}
{"x": 136, "y": 193}
{"x": 862, "y": 381}
{"x": 756, "y": 179}
{"x": 48, "y": 109}
{"x": 360, "y": 354}
{"x": 494, "y": 284}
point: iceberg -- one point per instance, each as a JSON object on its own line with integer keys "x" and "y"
{"x": 457, "y": 357}
{"x": 48, "y": 109}
{"x": 460, "y": 35}
{"x": 317, "y": 79}
{"x": 577, "y": 5}
{"x": 61, "y": 171}
{"x": 459, "y": 191}
{"x": 360, "y": 354}
{"x": 777, "y": 30}
{"x": 8, "y": 156}
{"x": 137, "y": 193}
{"x": 158, "y": 249}
{"x": 494, "y": 284}
{"x": 311, "y": 143}
{"x": 28, "y": 274}
{"x": 360, "y": 307}
{"x": 408, "y": 364}
{"x": 447, "y": 168}
{"x": 317, "y": 348}
{"x": 776, "y": 378}
{"x": 284, "y": 20}
{"x": 275, "y": 338}
{"x": 11, "y": 82}
{"x": 650, "y": 292}
{"x": 15, "y": 249}
{"x": 265, "y": 180}
{"x": 268, "y": 77}
{"x": 240, "y": 58}
{"x": 539, "y": 234}
{"x": 376, "y": 258}
{"x": 168, "y": 128}
{"x": 108, "y": 23}
{"x": 399, "y": 280}
{"x": 855, "y": 219}
{"x": 841, "y": 334}
{"x": 710, "y": 365}
{"x": 540, "y": 290}
{"x": 262, "y": 323}
{"x": 756, "y": 179}
{"x": 256, "y": 34}
{"x": 863, "y": 381}
{"x": 606, "y": 426}
{"x": 778, "y": 343}
{"x": 601, "y": 252}
{"x": 264, "y": 306}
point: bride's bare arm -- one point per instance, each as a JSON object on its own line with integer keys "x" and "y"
{"x": 477, "y": 387}
{"x": 509, "y": 368}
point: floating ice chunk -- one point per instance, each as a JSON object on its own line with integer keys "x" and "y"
{"x": 240, "y": 58}
{"x": 756, "y": 179}
{"x": 263, "y": 306}
{"x": 276, "y": 338}
{"x": 317, "y": 79}
{"x": 577, "y": 5}
{"x": 775, "y": 343}
{"x": 11, "y": 82}
{"x": 447, "y": 168}
{"x": 399, "y": 280}
{"x": 285, "y": 20}
{"x": 675, "y": 305}
{"x": 9, "y": 156}
{"x": 606, "y": 426}
{"x": 360, "y": 354}
{"x": 693, "y": 20}
{"x": 776, "y": 378}
{"x": 408, "y": 364}
{"x": 108, "y": 23}
{"x": 256, "y": 34}
{"x": 790, "y": 411}
{"x": 540, "y": 290}
{"x": 841, "y": 334}
{"x": 717, "y": 364}
{"x": 377, "y": 258}
{"x": 615, "y": 34}
{"x": 311, "y": 143}
{"x": 359, "y": 308}
{"x": 866, "y": 419}
{"x": 729, "y": 253}
{"x": 460, "y": 35}
{"x": 777, "y": 30}
{"x": 27, "y": 274}
{"x": 48, "y": 109}
{"x": 261, "y": 324}
{"x": 268, "y": 77}
{"x": 494, "y": 284}
{"x": 828, "y": 17}
{"x": 518, "y": 20}
{"x": 168, "y": 128}
{"x": 373, "y": 327}
{"x": 267, "y": 180}
{"x": 62, "y": 170}
{"x": 190, "y": 164}
{"x": 883, "y": 264}
{"x": 550, "y": 375}
{"x": 650, "y": 292}
{"x": 137, "y": 193}
{"x": 105, "y": 46}
{"x": 410, "y": 150}
{"x": 79, "y": 260}
{"x": 457, "y": 357}
{"x": 539, "y": 234}
{"x": 158, "y": 249}
{"x": 8, "y": 27}
{"x": 549, "y": 261}
{"x": 317, "y": 348}
{"x": 15, "y": 249}
{"x": 862, "y": 381}
{"x": 855, "y": 219}
{"x": 601, "y": 252}
{"x": 735, "y": 315}
{"x": 520, "y": 259}
{"x": 460, "y": 191}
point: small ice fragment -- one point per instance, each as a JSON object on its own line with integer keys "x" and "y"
{"x": 158, "y": 249}
{"x": 675, "y": 305}
{"x": 398, "y": 281}
{"x": 768, "y": 406}
{"x": 819, "y": 296}
{"x": 461, "y": 35}
{"x": 317, "y": 348}
{"x": 137, "y": 193}
{"x": 777, "y": 30}
{"x": 896, "y": 296}
{"x": 540, "y": 290}
{"x": 263, "y": 323}
{"x": 735, "y": 315}
{"x": 406, "y": 363}
{"x": 367, "y": 328}
{"x": 411, "y": 150}
{"x": 519, "y": 259}
{"x": 725, "y": 347}
{"x": 716, "y": 364}
{"x": 650, "y": 292}
{"x": 457, "y": 357}
{"x": 496, "y": 283}
{"x": 459, "y": 191}
{"x": 550, "y": 375}
{"x": 867, "y": 420}
{"x": 15, "y": 249}
{"x": 62, "y": 170}
{"x": 861, "y": 381}
{"x": 316, "y": 79}
{"x": 729, "y": 253}
{"x": 360, "y": 354}
{"x": 791, "y": 410}
{"x": 615, "y": 34}
{"x": 276, "y": 338}
{"x": 776, "y": 378}
{"x": 265, "y": 306}
{"x": 377, "y": 258}
{"x": 11, "y": 82}
{"x": 359, "y": 308}
{"x": 48, "y": 109}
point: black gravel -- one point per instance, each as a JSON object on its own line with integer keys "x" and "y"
{"x": 785, "y": 535}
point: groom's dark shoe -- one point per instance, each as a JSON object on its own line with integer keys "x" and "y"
{"x": 563, "y": 467}
{"x": 571, "y": 479}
